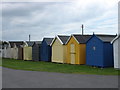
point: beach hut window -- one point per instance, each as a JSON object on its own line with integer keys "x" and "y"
{"x": 94, "y": 48}
{"x": 72, "y": 48}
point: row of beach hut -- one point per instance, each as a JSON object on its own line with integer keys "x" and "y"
{"x": 93, "y": 50}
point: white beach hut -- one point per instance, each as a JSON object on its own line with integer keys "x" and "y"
{"x": 14, "y": 52}
{"x": 15, "y": 45}
{"x": 116, "y": 48}
{"x": 6, "y": 49}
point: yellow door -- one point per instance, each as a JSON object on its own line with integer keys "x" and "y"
{"x": 72, "y": 52}
{"x": 58, "y": 54}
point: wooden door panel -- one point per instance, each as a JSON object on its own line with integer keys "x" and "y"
{"x": 72, "y": 58}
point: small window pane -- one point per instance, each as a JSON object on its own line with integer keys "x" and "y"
{"x": 94, "y": 48}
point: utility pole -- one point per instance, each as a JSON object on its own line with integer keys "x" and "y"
{"x": 82, "y": 29}
{"x": 29, "y": 37}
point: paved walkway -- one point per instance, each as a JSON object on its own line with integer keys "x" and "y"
{"x": 33, "y": 79}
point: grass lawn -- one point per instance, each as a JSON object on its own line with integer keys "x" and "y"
{"x": 54, "y": 67}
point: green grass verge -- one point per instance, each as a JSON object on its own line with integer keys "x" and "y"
{"x": 54, "y": 67}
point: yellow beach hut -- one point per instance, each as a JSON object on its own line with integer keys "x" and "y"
{"x": 59, "y": 49}
{"x": 27, "y": 49}
{"x": 76, "y": 49}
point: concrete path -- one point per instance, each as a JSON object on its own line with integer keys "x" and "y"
{"x": 33, "y": 79}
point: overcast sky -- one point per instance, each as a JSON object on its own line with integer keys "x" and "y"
{"x": 47, "y": 19}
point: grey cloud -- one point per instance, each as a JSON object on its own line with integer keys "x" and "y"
{"x": 48, "y": 19}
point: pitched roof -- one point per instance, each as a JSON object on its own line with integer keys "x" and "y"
{"x": 5, "y": 44}
{"x": 48, "y": 40}
{"x": 81, "y": 39}
{"x": 106, "y": 38}
{"x": 17, "y": 43}
{"x": 63, "y": 38}
{"x": 37, "y": 42}
{"x": 30, "y": 43}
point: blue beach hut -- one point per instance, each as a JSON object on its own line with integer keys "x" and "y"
{"x": 99, "y": 51}
{"x": 46, "y": 50}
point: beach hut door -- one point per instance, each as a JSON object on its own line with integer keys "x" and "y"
{"x": 72, "y": 54}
